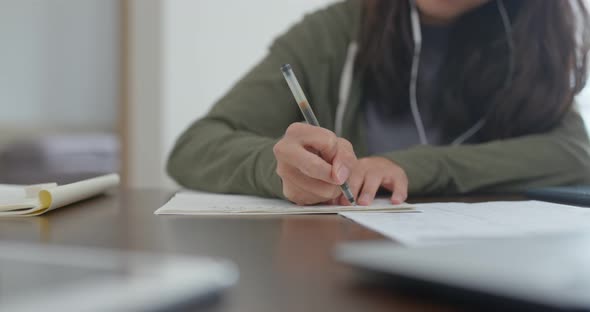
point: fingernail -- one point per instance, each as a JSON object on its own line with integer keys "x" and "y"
{"x": 342, "y": 174}
{"x": 365, "y": 200}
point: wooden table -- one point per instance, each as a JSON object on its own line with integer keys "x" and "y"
{"x": 285, "y": 262}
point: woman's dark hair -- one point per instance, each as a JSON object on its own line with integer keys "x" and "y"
{"x": 551, "y": 43}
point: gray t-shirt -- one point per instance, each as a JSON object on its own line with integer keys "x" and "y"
{"x": 388, "y": 132}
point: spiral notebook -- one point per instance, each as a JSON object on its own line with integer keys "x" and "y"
{"x": 199, "y": 203}
{"x": 33, "y": 200}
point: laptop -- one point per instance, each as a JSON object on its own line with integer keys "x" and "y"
{"x": 52, "y": 278}
{"x": 549, "y": 273}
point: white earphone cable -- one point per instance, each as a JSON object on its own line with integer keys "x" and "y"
{"x": 417, "y": 36}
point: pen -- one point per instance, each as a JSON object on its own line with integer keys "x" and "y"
{"x": 308, "y": 114}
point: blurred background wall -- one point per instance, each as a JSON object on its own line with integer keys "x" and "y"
{"x": 59, "y": 89}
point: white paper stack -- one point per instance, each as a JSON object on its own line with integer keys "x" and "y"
{"x": 22, "y": 201}
{"x": 445, "y": 223}
{"x": 197, "y": 203}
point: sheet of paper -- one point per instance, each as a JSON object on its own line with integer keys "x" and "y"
{"x": 198, "y": 203}
{"x": 11, "y": 195}
{"x": 13, "y": 198}
{"x": 9, "y": 192}
{"x": 443, "y": 223}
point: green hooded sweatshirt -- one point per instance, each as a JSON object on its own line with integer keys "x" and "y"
{"x": 230, "y": 149}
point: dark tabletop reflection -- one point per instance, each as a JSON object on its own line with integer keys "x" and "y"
{"x": 285, "y": 262}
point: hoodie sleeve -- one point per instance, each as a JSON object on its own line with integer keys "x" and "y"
{"x": 559, "y": 157}
{"x": 230, "y": 149}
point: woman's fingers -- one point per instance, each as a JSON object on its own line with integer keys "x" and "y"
{"x": 317, "y": 152}
{"x": 312, "y": 162}
{"x": 320, "y": 139}
{"x": 298, "y": 195}
{"x": 321, "y": 190}
{"x": 355, "y": 183}
{"x": 371, "y": 185}
{"x": 400, "y": 189}
{"x": 343, "y": 162}
{"x": 398, "y": 184}
{"x": 370, "y": 174}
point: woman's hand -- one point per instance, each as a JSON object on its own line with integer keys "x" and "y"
{"x": 373, "y": 172}
{"x": 312, "y": 163}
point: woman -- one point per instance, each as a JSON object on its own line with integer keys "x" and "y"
{"x": 416, "y": 96}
